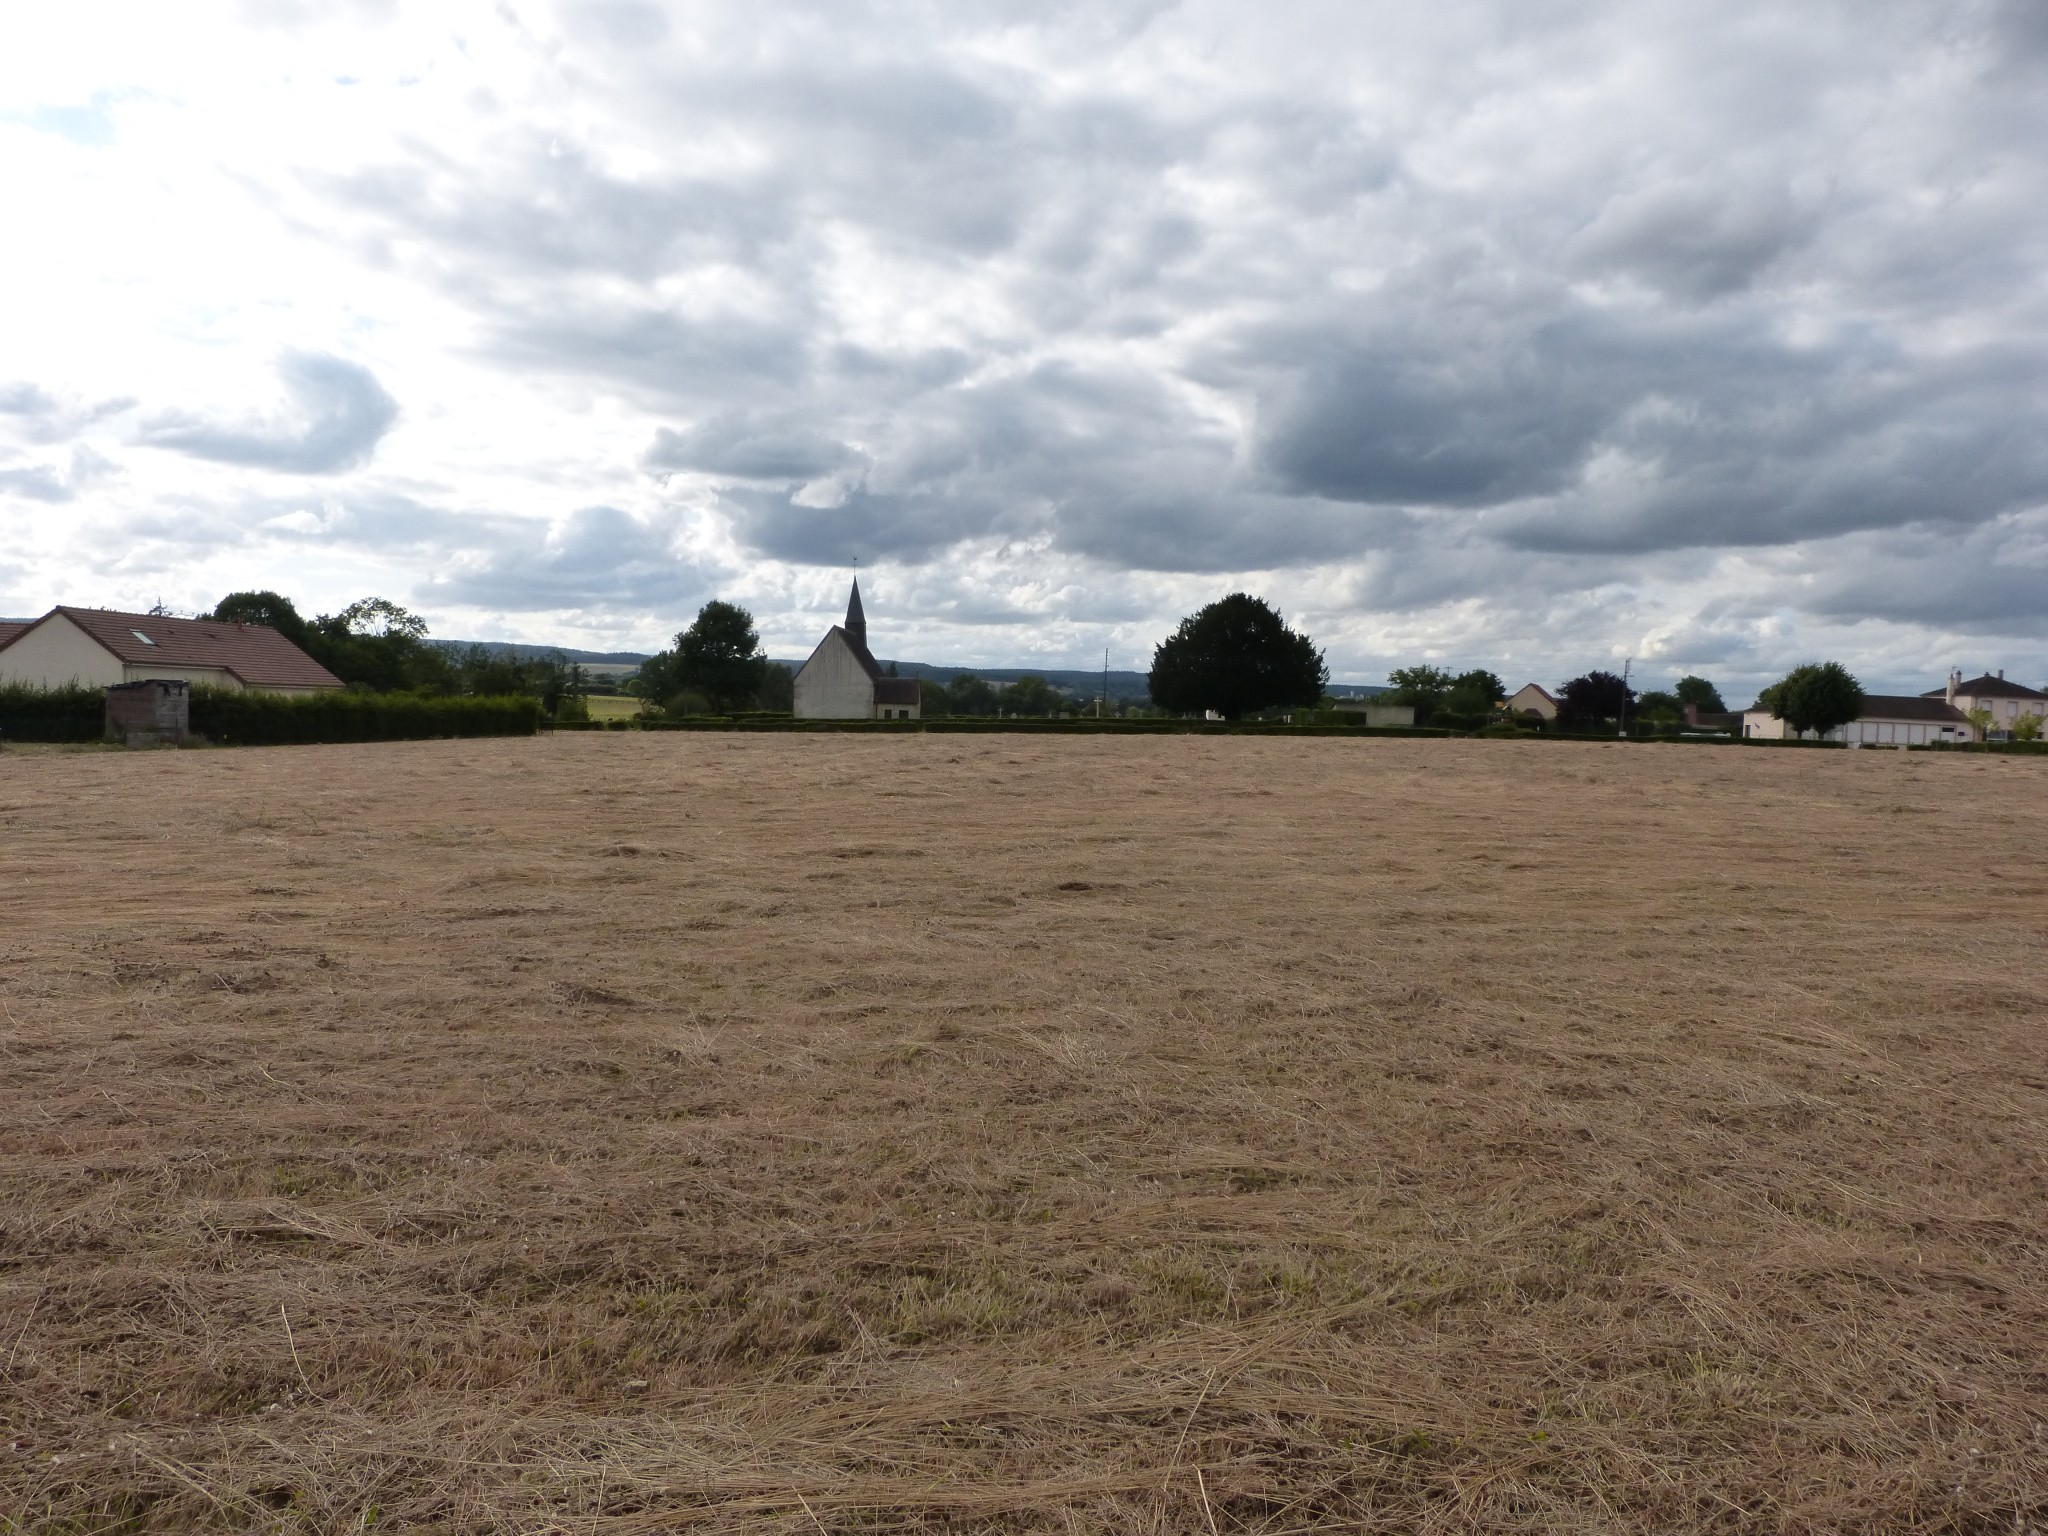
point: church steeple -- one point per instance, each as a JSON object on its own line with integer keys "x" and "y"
{"x": 856, "y": 621}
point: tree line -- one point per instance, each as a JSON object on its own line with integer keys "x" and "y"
{"x": 375, "y": 644}
{"x": 1233, "y": 658}
{"x": 717, "y": 666}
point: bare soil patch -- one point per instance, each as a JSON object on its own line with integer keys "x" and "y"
{"x": 640, "y": 1133}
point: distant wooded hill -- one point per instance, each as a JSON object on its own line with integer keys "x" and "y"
{"x": 1121, "y": 685}
{"x": 1082, "y": 684}
{"x": 537, "y": 652}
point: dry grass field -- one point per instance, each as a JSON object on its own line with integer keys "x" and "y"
{"x": 631, "y": 1134}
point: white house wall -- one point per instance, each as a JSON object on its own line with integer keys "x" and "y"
{"x": 833, "y": 685}
{"x": 56, "y": 654}
{"x": 1876, "y": 731}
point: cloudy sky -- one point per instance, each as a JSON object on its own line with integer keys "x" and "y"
{"x": 1531, "y": 334}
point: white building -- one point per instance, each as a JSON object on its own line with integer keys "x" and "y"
{"x": 1374, "y": 713}
{"x": 1533, "y": 699}
{"x": 98, "y": 648}
{"x": 1888, "y": 720}
{"x": 2006, "y": 703}
{"x": 843, "y": 681}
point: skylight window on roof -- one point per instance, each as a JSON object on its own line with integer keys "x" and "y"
{"x": 138, "y": 634}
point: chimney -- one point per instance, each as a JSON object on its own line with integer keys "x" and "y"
{"x": 2001, "y": 674}
{"x": 1955, "y": 681}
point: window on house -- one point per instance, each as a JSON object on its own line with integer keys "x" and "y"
{"x": 138, "y": 634}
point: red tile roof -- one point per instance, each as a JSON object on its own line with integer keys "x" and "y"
{"x": 9, "y": 628}
{"x": 255, "y": 656}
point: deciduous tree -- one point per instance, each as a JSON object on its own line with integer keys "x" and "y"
{"x": 1472, "y": 697}
{"x": 1029, "y": 696}
{"x": 718, "y": 658}
{"x": 270, "y": 609}
{"x": 1422, "y": 688}
{"x": 969, "y": 695}
{"x": 1593, "y": 699}
{"x": 1700, "y": 693}
{"x": 1237, "y": 657}
{"x": 1817, "y": 697}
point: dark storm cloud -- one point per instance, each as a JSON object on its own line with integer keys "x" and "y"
{"x": 338, "y": 415}
{"x": 1571, "y": 429}
{"x": 1693, "y": 243}
{"x": 1992, "y": 581}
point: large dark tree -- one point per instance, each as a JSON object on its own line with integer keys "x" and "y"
{"x": 718, "y": 657}
{"x": 1701, "y": 693}
{"x": 1236, "y": 657}
{"x": 270, "y": 609}
{"x": 372, "y": 643}
{"x": 1593, "y": 699}
{"x": 1817, "y": 697}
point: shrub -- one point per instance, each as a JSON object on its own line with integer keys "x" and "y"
{"x": 54, "y": 714}
{"x": 268, "y": 719}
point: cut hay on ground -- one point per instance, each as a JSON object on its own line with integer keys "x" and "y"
{"x": 622, "y": 1133}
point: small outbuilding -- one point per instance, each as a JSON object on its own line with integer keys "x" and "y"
{"x": 1374, "y": 713}
{"x": 102, "y": 648}
{"x": 843, "y": 681}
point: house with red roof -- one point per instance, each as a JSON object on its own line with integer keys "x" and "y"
{"x": 98, "y": 648}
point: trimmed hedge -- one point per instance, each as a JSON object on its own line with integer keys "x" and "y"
{"x": 55, "y": 714}
{"x": 971, "y": 725}
{"x": 273, "y": 719}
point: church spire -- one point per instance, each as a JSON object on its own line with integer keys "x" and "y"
{"x": 856, "y": 621}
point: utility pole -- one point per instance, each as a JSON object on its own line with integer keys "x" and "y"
{"x": 1626, "y": 663}
{"x": 1102, "y": 700}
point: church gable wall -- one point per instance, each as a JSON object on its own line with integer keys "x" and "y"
{"x": 833, "y": 685}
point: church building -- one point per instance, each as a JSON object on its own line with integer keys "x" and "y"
{"x": 843, "y": 681}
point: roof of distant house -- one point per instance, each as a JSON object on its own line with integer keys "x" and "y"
{"x": 1988, "y": 687}
{"x": 1894, "y": 706}
{"x": 256, "y": 656}
{"x": 1539, "y": 688}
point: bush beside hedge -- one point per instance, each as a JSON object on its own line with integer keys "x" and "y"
{"x": 55, "y": 714}
{"x": 271, "y": 719}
